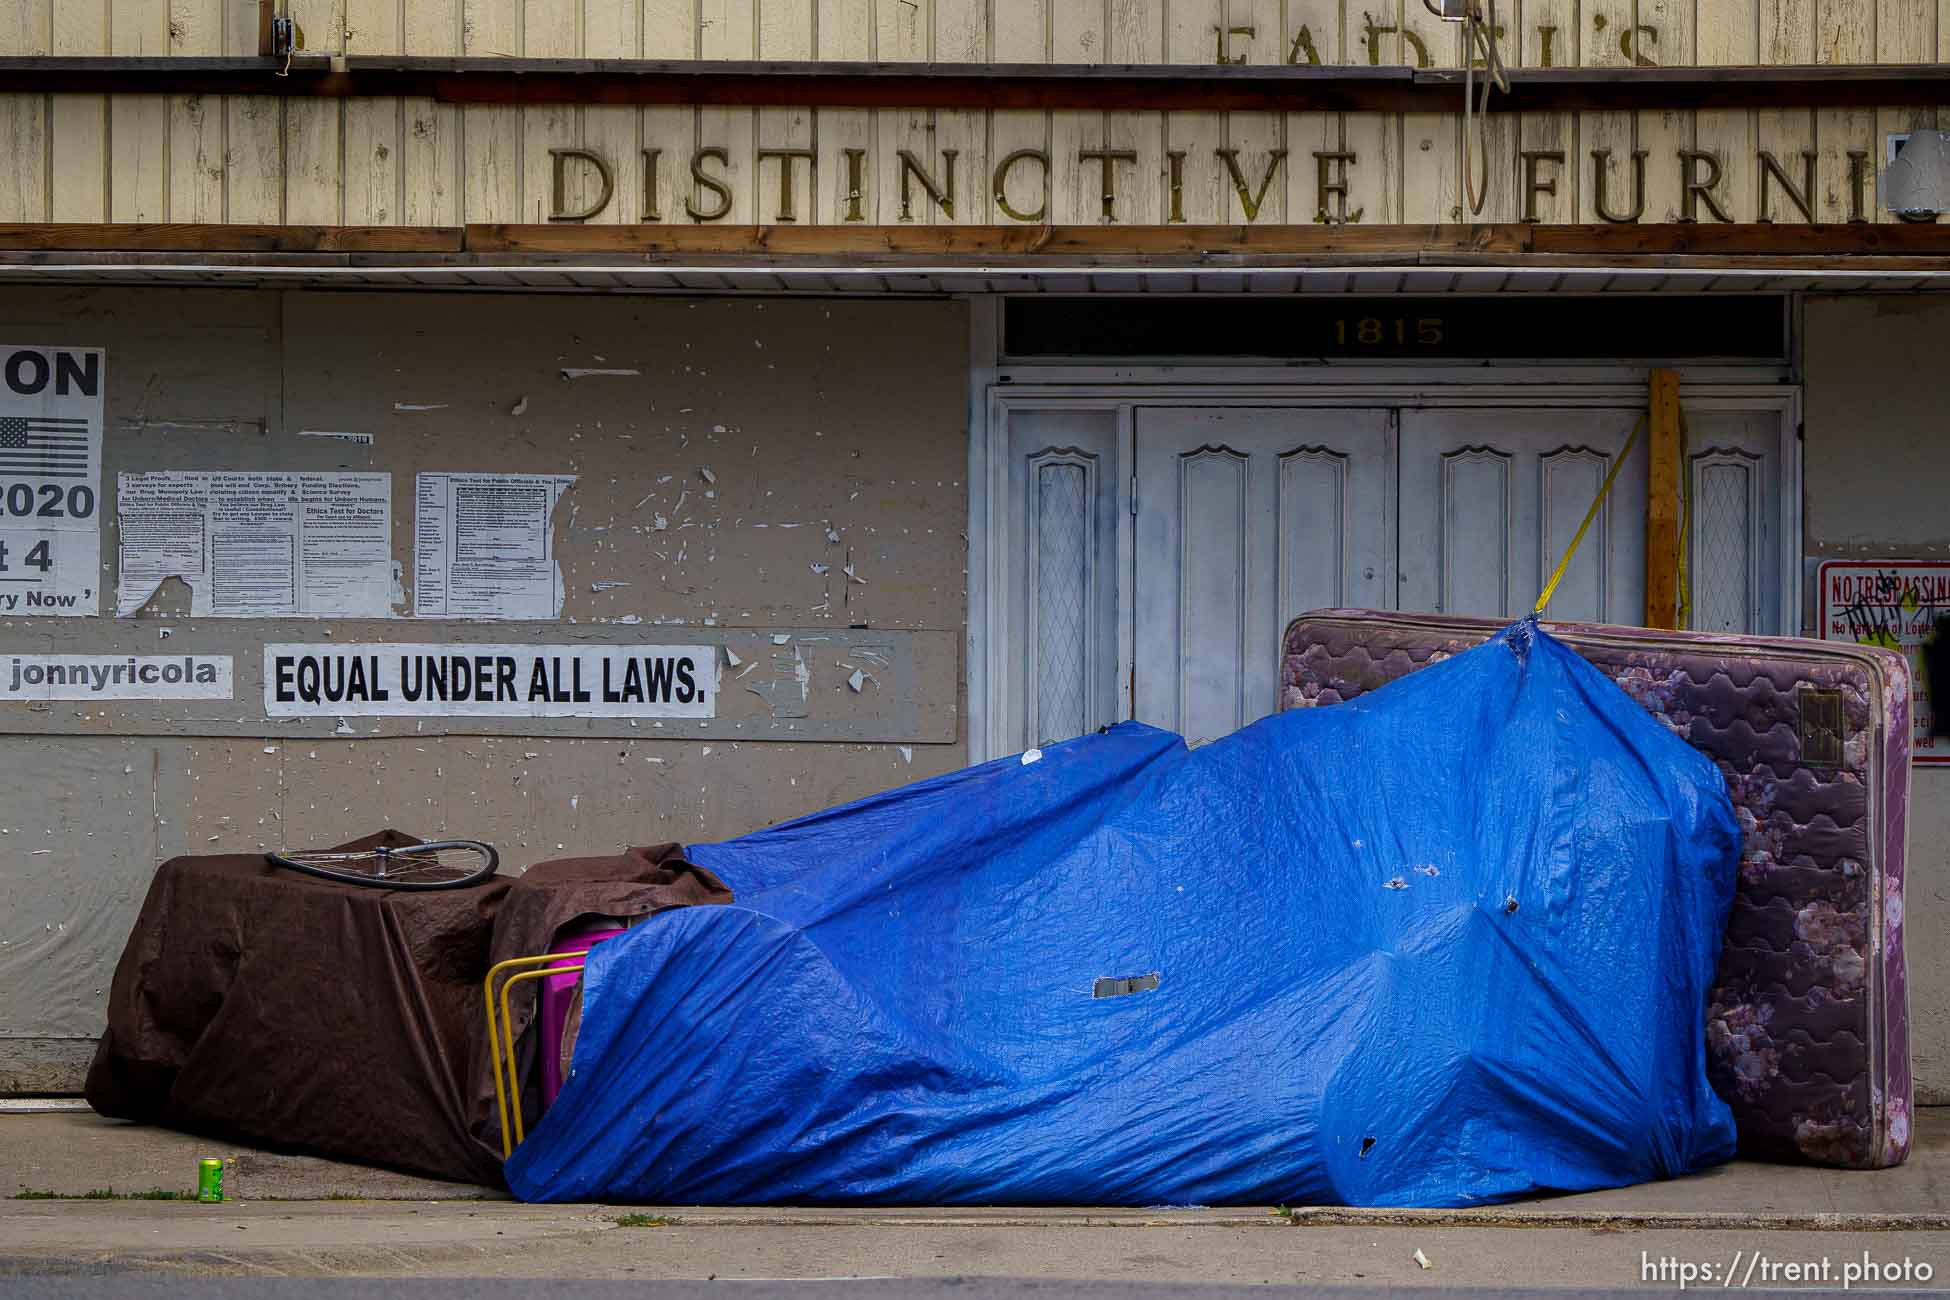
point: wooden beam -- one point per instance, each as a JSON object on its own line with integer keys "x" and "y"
{"x": 1047, "y": 242}
{"x": 1122, "y": 87}
{"x": 184, "y": 238}
{"x": 1664, "y": 553}
{"x": 1678, "y": 246}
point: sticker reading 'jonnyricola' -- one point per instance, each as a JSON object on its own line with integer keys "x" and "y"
{"x": 514, "y": 681}
{"x": 115, "y": 677}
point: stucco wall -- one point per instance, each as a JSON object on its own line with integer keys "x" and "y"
{"x": 835, "y": 433}
{"x": 1877, "y": 459}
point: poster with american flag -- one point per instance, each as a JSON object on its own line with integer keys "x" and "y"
{"x": 50, "y": 480}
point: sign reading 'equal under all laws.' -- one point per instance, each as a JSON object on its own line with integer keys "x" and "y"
{"x": 501, "y": 681}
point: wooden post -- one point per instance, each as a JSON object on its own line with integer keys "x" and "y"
{"x": 1662, "y": 503}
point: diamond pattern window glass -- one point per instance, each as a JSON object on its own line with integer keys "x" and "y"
{"x": 1062, "y": 578}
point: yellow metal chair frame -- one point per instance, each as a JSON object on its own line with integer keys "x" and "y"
{"x": 501, "y": 1045}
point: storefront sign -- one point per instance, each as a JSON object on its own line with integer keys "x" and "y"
{"x": 1894, "y": 605}
{"x": 1021, "y": 183}
{"x": 50, "y": 480}
{"x": 501, "y": 681}
{"x": 115, "y": 677}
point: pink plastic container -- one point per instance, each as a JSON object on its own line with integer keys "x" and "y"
{"x": 557, "y": 992}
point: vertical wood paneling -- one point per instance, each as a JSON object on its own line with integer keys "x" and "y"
{"x": 1137, "y": 29}
{"x": 1728, "y": 135}
{"x": 78, "y": 124}
{"x": 1191, "y": 36}
{"x": 1845, "y": 33}
{"x": 1076, "y": 29}
{"x": 1905, "y": 31}
{"x": 138, "y": 187}
{"x": 1314, "y": 35}
{"x": 374, "y": 149}
{"x": 550, "y": 29}
{"x": 196, "y": 122}
{"x": 612, "y": 29}
{"x": 314, "y": 185}
{"x": 1021, "y": 31}
{"x": 1668, "y": 37}
{"x": 1606, "y": 27}
{"x": 491, "y": 171}
{"x": 1374, "y": 179}
{"x": 324, "y": 26}
{"x": 269, "y": 159}
{"x": 1134, "y": 33}
{"x": 786, "y": 32}
{"x": 430, "y": 133}
{"x": 24, "y": 29}
{"x": 902, "y": 33}
{"x": 1262, "y": 158}
{"x": 431, "y": 27}
{"x": 670, "y": 31}
{"x": 1432, "y": 184}
{"x": 252, "y": 160}
{"x": 1551, "y": 29}
{"x": 961, "y": 35}
{"x": 844, "y": 30}
{"x": 1787, "y": 38}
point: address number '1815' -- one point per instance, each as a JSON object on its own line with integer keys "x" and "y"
{"x": 1375, "y": 331}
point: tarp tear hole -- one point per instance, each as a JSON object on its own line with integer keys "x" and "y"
{"x": 1509, "y": 907}
{"x": 1120, "y": 986}
{"x": 1367, "y": 1145}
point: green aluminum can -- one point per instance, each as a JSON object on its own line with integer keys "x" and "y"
{"x": 209, "y": 1180}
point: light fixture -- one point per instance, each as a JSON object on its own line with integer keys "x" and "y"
{"x": 1916, "y": 184}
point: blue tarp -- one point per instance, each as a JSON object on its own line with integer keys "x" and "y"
{"x": 1446, "y": 944}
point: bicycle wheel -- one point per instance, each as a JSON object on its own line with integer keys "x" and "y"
{"x": 443, "y": 864}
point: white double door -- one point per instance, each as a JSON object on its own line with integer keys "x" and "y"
{"x": 1246, "y": 516}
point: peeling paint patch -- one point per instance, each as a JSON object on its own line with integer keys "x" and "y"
{"x": 590, "y": 372}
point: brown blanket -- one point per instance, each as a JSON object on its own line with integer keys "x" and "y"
{"x": 265, "y": 1006}
{"x": 262, "y": 1005}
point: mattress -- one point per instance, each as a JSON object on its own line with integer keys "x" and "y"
{"x": 1807, "y": 1026}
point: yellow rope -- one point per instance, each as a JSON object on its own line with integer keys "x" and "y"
{"x": 1550, "y": 588}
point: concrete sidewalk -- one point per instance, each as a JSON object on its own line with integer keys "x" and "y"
{"x": 299, "y": 1215}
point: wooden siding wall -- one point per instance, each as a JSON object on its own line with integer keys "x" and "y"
{"x": 267, "y": 159}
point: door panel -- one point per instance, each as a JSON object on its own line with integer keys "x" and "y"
{"x": 1490, "y": 499}
{"x": 1733, "y": 472}
{"x": 1247, "y": 516}
{"x": 1060, "y": 656}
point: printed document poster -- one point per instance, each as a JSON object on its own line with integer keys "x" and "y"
{"x": 50, "y": 480}
{"x": 258, "y": 545}
{"x": 483, "y": 546}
